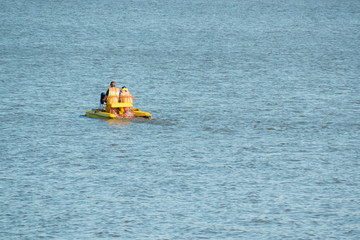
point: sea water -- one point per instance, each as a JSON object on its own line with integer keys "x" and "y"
{"x": 255, "y": 131}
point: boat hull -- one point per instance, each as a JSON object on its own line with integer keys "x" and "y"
{"x": 101, "y": 114}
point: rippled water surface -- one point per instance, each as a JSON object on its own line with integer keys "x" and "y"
{"x": 255, "y": 131}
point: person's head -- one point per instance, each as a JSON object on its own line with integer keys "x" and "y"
{"x": 124, "y": 89}
{"x": 113, "y": 84}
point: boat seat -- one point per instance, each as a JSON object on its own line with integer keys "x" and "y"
{"x": 118, "y": 105}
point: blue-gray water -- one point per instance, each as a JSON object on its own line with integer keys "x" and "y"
{"x": 255, "y": 131}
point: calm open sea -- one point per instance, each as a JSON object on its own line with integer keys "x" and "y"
{"x": 255, "y": 131}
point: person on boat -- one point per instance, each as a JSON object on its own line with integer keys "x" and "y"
{"x": 126, "y": 97}
{"x": 112, "y": 96}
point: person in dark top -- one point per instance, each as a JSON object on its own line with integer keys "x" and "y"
{"x": 104, "y": 96}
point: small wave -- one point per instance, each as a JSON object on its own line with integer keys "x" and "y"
{"x": 260, "y": 220}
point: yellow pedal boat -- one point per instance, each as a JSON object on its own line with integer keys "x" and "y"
{"x": 132, "y": 113}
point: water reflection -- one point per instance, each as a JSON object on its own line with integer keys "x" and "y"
{"x": 120, "y": 122}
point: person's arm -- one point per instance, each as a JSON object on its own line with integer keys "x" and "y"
{"x": 106, "y": 95}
